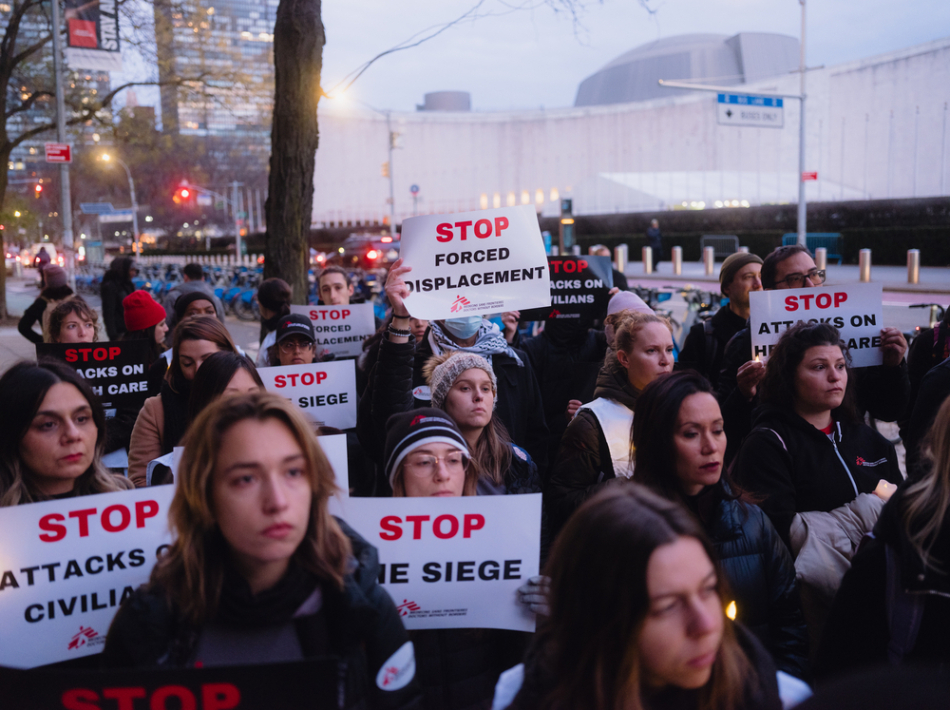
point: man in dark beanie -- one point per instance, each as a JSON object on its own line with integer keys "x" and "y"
{"x": 706, "y": 342}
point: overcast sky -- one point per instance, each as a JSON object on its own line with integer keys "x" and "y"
{"x": 535, "y": 57}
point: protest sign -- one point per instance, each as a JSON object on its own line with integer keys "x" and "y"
{"x": 334, "y": 448}
{"x": 67, "y": 566}
{"x": 115, "y": 370}
{"x": 340, "y": 330}
{"x": 300, "y": 685}
{"x": 325, "y": 391}
{"x": 855, "y": 310}
{"x": 580, "y": 288}
{"x": 453, "y": 562}
{"x": 469, "y": 263}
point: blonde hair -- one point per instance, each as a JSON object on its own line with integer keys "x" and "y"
{"x": 627, "y": 325}
{"x": 925, "y": 503}
{"x": 191, "y": 573}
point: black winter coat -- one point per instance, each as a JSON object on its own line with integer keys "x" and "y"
{"x": 566, "y": 370}
{"x": 362, "y": 625}
{"x": 583, "y": 465}
{"x": 797, "y": 468}
{"x": 883, "y": 392}
{"x": 113, "y": 292}
{"x": 761, "y": 576}
{"x": 934, "y": 389}
{"x": 695, "y": 354}
{"x": 857, "y": 633}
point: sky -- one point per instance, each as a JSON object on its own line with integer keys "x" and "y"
{"x": 523, "y": 54}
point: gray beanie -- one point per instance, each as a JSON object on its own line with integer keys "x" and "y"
{"x": 443, "y": 376}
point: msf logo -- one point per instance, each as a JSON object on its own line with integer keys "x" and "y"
{"x": 458, "y": 303}
{"x": 82, "y": 638}
{"x": 406, "y": 607}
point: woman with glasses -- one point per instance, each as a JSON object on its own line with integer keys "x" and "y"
{"x": 294, "y": 342}
{"x": 427, "y": 455}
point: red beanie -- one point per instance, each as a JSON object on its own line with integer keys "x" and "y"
{"x": 141, "y": 311}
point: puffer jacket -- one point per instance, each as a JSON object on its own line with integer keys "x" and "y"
{"x": 363, "y": 631}
{"x": 582, "y": 466}
{"x": 858, "y": 630}
{"x": 760, "y": 573}
{"x": 797, "y": 468}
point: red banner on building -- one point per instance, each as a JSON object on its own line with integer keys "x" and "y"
{"x": 93, "y": 35}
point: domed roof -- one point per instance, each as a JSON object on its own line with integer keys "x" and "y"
{"x": 728, "y": 61}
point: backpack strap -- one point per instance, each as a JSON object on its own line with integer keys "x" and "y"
{"x": 904, "y": 611}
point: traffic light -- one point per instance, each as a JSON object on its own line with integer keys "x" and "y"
{"x": 182, "y": 194}
{"x": 38, "y": 190}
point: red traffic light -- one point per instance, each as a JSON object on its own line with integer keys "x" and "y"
{"x": 38, "y": 188}
{"x": 372, "y": 255}
{"x": 185, "y": 193}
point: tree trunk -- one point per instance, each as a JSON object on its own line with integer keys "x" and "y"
{"x": 298, "y": 59}
{"x": 4, "y": 160}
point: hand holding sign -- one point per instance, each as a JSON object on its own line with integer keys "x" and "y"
{"x": 397, "y": 291}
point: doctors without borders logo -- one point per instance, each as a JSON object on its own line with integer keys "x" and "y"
{"x": 407, "y": 607}
{"x": 398, "y": 670}
{"x": 87, "y": 636}
{"x": 459, "y": 303}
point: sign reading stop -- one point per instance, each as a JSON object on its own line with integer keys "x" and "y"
{"x": 58, "y": 153}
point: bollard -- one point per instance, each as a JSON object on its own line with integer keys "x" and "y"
{"x": 913, "y": 266}
{"x": 576, "y": 249}
{"x": 821, "y": 258}
{"x": 709, "y": 260}
{"x": 864, "y": 265}
{"x": 647, "y": 256}
{"x": 620, "y": 258}
{"x": 677, "y": 260}
{"x": 554, "y": 250}
{"x": 743, "y": 250}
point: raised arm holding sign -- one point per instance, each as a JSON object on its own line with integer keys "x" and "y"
{"x": 475, "y": 262}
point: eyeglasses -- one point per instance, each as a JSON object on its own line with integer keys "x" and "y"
{"x": 425, "y": 465}
{"x": 288, "y": 346}
{"x": 816, "y": 276}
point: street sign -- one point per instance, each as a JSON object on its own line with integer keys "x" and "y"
{"x": 414, "y": 189}
{"x": 116, "y": 216}
{"x": 747, "y": 110}
{"x": 809, "y": 176}
{"x": 58, "y": 153}
{"x": 96, "y": 207}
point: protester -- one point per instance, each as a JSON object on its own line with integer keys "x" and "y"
{"x": 814, "y": 464}
{"x": 259, "y": 571}
{"x": 334, "y": 287}
{"x": 707, "y": 340}
{"x": 52, "y": 435}
{"x": 73, "y": 321}
{"x": 427, "y": 455}
{"x": 894, "y": 603}
{"x": 932, "y": 393}
{"x": 41, "y": 262}
{"x": 116, "y": 285}
{"x": 55, "y": 292}
{"x": 680, "y": 444}
{"x": 882, "y": 391}
{"x": 273, "y": 300}
{"x": 655, "y": 242}
{"x": 619, "y": 302}
{"x": 145, "y": 319}
{"x": 637, "y": 617}
{"x": 596, "y": 445}
{"x": 295, "y": 342}
{"x": 223, "y": 373}
{"x": 163, "y": 419}
{"x": 193, "y": 281}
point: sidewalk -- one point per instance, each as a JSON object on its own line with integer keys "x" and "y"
{"x": 933, "y": 279}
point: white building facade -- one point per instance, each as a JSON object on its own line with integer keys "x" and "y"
{"x": 876, "y": 129}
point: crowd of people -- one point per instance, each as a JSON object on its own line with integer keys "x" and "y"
{"x": 716, "y": 532}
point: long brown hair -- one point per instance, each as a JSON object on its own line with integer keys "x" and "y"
{"x": 203, "y": 328}
{"x": 925, "y": 504}
{"x": 587, "y": 648}
{"x": 191, "y": 573}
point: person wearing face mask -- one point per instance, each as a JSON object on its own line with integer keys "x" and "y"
{"x": 163, "y": 419}
{"x": 595, "y": 448}
{"x": 637, "y": 617}
{"x": 519, "y": 405}
{"x": 706, "y": 341}
{"x": 259, "y": 571}
{"x": 679, "y": 442}
{"x": 883, "y": 391}
{"x": 52, "y": 436}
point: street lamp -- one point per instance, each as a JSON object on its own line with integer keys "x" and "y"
{"x": 106, "y": 158}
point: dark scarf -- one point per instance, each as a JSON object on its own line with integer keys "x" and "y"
{"x": 277, "y": 605}
{"x": 175, "y": 406}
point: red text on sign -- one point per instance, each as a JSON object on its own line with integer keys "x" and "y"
{"x": 113, "y": 519}
{"x": 820, "y": 300}
{"x": 214, "y": 696}
{"x": 82, "y": 354}
{"x": 306, "y": 379}
{"x": 568, "y": 267}
{"x": 481, "y": 229}
{"x": 330, "y": 314}
{"x": 444, "y": 527}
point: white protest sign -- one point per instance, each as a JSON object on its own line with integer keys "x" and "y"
{"x": 468, "y": 263}
{"x": 67, "y": 565}
{"x": 325, "y": 391}
{"x": 454, "y": 562}
{"x": 340, "y": 330}
{"x": 855, "y": 310}
{"x": 334, "y": 448}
